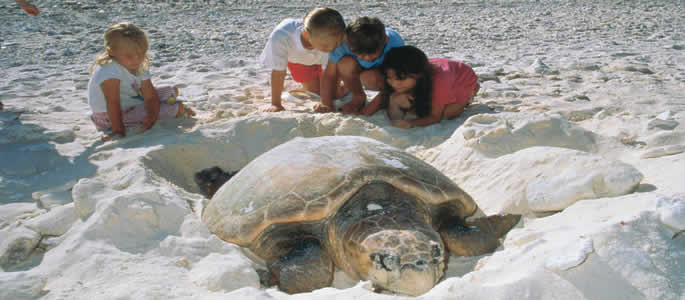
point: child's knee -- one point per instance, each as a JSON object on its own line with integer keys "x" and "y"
{"x": 452, "y": 111}
{"x": 348, "y": 66}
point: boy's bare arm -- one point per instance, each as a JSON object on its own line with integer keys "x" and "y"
{"x": 373, "y": 106}
{"x": 110, "y": 88}
{"x": 277, "y": 81}
{"x": 152, "y": 104}
{"x": 329, "y": 85}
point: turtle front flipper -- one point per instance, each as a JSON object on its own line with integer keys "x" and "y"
{"x": 306, "y": 268}
{"x": 479, "y": 236}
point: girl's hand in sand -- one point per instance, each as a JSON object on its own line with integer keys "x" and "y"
{"x": 402, "y": 124}
{"x": 184, "y": 111}
{"x": 274, "y": 108}
{"x": 322, "y": 108}
{"x": 109, "y": 137}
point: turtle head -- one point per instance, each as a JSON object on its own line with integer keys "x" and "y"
{"x": 406, "y": 262}
{"x": 211, "y": 179}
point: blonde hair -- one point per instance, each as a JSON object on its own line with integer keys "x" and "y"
{"x": 129, "y": 34}
{"x": 324, "y": 18}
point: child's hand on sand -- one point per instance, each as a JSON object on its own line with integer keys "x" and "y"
{"x": 110, "y": 136}
{"x": 322, "y": 108}
{"x": 401, "y": 124}
{"x": 274, "y": 108}
{"x": 184, "y": 111}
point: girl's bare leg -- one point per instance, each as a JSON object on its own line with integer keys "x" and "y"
{"x": 454, "y": 110}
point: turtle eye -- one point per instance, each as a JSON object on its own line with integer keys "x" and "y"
{"x": 436, "y": 251}
{"x": 386, "y": 262}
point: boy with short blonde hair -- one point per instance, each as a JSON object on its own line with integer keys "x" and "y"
{"x": 301, "y": 46}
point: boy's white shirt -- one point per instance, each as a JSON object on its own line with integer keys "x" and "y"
{"x": 284, "y": 45}
{"x": 129, "y": 86}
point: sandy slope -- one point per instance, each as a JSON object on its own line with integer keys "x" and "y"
{"x": 579, "y": 126}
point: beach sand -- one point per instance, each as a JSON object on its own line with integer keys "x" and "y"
{"x": 578, "y": 127}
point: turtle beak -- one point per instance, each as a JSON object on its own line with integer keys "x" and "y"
{"x": 410, "y": 274}
{"x": 411, "y": 278}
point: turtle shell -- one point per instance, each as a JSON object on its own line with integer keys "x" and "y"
{"x": 309, "y": 179}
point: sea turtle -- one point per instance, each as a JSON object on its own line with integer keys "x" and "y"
{"x": 376, "y": 212}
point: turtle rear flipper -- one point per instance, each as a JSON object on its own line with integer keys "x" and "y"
{"x": 479, "y": 236}
{"x": 306, "y": 268}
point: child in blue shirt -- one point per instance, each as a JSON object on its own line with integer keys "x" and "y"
{"x": 356, "y": 62}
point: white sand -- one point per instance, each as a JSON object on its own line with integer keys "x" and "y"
{"x": 578, "y": 126}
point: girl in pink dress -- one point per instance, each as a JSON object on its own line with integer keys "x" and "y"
{"x": 420, "y": 91}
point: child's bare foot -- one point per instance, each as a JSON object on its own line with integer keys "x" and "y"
{"x": 274, "y": 108}
{"x": 110, "y": 136}
{"x": 322, "y": 108}
{"x": 184, "y": 111}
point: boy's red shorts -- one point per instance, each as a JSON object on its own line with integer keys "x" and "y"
{"x": 303, "y": 73}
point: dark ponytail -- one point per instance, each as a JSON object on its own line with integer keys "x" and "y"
{"x": 405, "y": 61}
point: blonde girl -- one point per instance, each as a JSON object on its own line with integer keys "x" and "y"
{"x": 301, "y": 46}
{"x": 120, "y": 91}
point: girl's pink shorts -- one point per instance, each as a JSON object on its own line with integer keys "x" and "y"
{"x": 134, "y": 115}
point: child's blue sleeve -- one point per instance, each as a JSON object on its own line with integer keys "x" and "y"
{"x": 338, "y": 53}
{"x": 395, "y": 40}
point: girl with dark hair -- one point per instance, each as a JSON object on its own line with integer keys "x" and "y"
{"x": 419, "y": 91}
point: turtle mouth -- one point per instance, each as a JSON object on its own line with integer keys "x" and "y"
{"x": 413, "y": 279}
{"x": 411, "y": 273}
